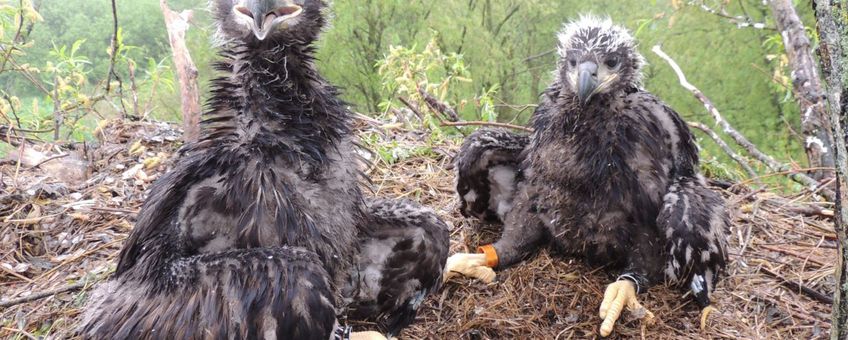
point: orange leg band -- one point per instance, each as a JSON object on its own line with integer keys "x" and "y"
{"x": 491, "y": 255}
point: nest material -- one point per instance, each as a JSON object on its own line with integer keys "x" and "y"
{"x": 59, "y": 236}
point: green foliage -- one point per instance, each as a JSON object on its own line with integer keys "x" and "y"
{"x": 391, "y": 151}
{"x": 66, "y": 22}
{"x": 712, "y": 167}
{"x": 405, "y": 70}
{"x": 60, "y": 88}
{"x": 507, "y": 50}
{"x": 407, "y": 73}
{"x": 488, "y": 59}
{"x": 494, "y": 38}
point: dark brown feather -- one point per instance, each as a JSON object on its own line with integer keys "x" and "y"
{"x": 614, "y": 180}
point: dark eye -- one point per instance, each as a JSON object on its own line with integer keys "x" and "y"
{"x": 572, "y": 62}
{"x": 611, "y": 62}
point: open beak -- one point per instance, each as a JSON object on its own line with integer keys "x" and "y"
{"x": 265, "y": 15}
{"x": 587, "y": 81}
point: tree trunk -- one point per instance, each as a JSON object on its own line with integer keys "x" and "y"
{"x": 177, "y": 25}
{"x": 807, "y": 87}
{"x": 832, "y": 17}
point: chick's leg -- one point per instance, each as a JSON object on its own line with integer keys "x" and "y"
{"x": 367, "y": 336}
{"x": 705, "y": 315}
{"x": 619, "y": 295}
{"x": 523, "y": 232}
{"x": 469, "y": 265}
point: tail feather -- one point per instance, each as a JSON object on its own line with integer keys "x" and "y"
{"x": 696, "y": 223}
{"x": 488, "y": 171}
{"x": 402, "y": 256}
{"x": 255, "y": 293}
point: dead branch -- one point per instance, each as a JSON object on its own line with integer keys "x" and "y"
{"x": 58, "y": 114}
{"x": 799, "y": 287}
{"x": 457, "y": 123}
{"x": 9, "y": 136}
{"x": 806, "y": 209}
{"x": 493, "y": 124}
{"x": 412, "y": 107}
{"x": 41, "y": 295}
{"x": 438, "y": 106}
{"x": 59, "y": 156}
{"x": 115, "y": 210}
{"x": 801, "y": 256}
{"x": 364, "y": 118}
{"x": 177, "y": 24}
{"x": 727, "y": 149}
{"x": 807, "y": 86}
{"x": 8, "y": 51}
{"x": 808, "y": 182}
{"x": 741, "y": 21}
{"x": 12, "y": 128}
{"x": 115, "y": 47}
{"x": 12, "y": 108}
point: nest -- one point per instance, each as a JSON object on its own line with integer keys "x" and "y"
{"x": 57, "y": 239}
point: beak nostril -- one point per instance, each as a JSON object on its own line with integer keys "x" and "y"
{"x": 270, "y": 17}
{"x": 262, "y": 19}
{"x": 244, "y": 10}
{"x": 286, "y": 10}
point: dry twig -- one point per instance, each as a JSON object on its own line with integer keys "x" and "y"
{"x": 544, "y": 296}
{"x": 492, "y": 124}
{"x": 727, "y": 149}
{"x": 798, "y": 286}
{"x": 808, "y": 182}
{"x": 438, "y": 106}
{"x": 41, "y": 295}
{"x": 114, "y": 48}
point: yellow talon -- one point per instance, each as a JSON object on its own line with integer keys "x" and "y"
{"x": 619, "y": 295}
{"x": 705, "y": 314}
{"x": 367, "y": 336}
{"x": 470, "y": 265}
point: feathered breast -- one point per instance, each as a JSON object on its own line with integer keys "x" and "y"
{"x": 604, "y": 159}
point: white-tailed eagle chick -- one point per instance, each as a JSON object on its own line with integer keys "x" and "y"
{"x": 260, "y": 230}
{"x": 610, "y": 175}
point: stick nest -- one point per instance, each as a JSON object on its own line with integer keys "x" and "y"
{"x": 61, "y": 234}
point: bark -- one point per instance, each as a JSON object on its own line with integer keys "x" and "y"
{"x": 832, "y": 17}
{"x": 808, "y": 89}
{"x": 177, "y": 25}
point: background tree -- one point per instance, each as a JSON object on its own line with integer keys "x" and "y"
{"x": 485, "y": 60}
{"x": 177, "y": 25}
{"x": 732, "y": 50}
{"x": 832, "y": 18}
{"x": 807, "y": 87}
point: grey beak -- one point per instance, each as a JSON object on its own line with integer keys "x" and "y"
{"x": 267, "y": 14}
{"x": 587, "y": 81}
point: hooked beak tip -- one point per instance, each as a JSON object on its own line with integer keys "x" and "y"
{"x": 260, "y": 32}
{"x": 262, "y": 21}
{"x": 587, "y": 82}
{"x": 585, "y": 92}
